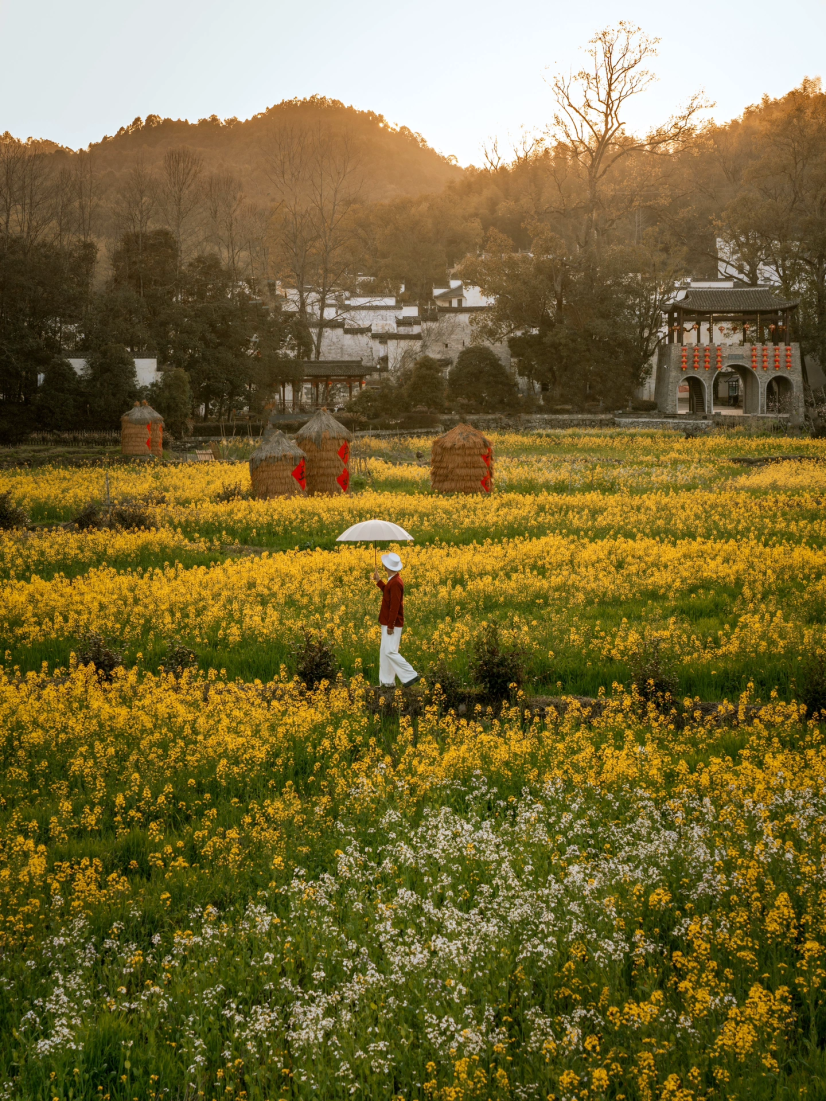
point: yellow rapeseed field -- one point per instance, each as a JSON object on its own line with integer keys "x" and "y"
{"x": 217, "y": 882}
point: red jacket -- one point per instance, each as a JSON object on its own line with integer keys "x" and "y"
{"x": 392, "y": 602}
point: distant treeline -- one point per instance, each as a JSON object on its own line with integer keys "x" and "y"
{"x": 174, "y": 240}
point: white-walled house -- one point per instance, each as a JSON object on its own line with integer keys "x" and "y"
{"x": 385, "y": 334}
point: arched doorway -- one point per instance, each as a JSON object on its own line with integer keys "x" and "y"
{"x": 691, "y": 395}
{"x": 729, "y": 392}
{"x": 736, "y": 390}
{"x": 779, "y": 395}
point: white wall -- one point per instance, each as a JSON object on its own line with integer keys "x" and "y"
{"x": 145, "y": 369}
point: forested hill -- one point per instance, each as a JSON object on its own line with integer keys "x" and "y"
{"x": 391, "y": 161}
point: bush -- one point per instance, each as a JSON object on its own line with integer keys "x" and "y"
{"x": 129, "y": 516}
{"x": 235, "y": 492}
{"x": 654, "y": 670}
{"x": 11, "y": 515}
{"x": 90, "y": 519}
{"x": 812, "y": 685}
{"x": 96, "y": 651}
{"x": 315, "y": 660}
{"x": 374, "y": 402}
{"x": 448, "y": 682}
{"x": 177, "y": 659}
{"x": 495, "y": 667}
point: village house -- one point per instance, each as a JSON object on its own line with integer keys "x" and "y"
{"x": 365, "y": 336}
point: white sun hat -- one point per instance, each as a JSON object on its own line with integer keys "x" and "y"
{"x": 392, "y": 562}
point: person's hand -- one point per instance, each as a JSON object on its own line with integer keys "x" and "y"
{"x": 390, "y": 630}
{"x": 375, "y": 575}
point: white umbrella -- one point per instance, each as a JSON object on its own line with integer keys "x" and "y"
{"x": 374, "y": 531}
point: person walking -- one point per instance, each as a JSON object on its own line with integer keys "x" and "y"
{"x": 391, "y": 618}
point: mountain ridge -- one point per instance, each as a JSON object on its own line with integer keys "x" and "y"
{"x": 395, "y": 160}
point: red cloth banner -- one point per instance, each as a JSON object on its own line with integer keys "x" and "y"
{"x": 344, "y": 479}
{"x": 300, "y": 474}
{"x": 344, "y": 453}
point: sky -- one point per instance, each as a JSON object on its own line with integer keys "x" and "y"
{"x": 457, "y": 73}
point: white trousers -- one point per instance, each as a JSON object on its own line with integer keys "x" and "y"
{"x": 391, "y": 663}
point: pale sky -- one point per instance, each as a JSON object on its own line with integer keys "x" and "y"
{"x": 74, "y": 70}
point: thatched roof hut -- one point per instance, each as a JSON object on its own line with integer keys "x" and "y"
{"x": 277, "y": 467}
{"x": 327, "y": 445}
{"x": 461, "y": 461}
{"x": 141, "y": 432}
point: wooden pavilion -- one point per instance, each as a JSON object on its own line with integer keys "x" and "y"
{"x": 764, "y": 317}
{"x": 322, "y": 375}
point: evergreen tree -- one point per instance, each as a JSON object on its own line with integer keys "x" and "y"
{"x": 478, "y": 382}
{"x": 426, "y": 385}
{"x": 59, "y": 400}
{"x": 110, "y": 386}
{"x": 172, "y": 397}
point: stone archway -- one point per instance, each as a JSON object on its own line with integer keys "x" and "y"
{"x": 747, "y": 399}
{"x": 779, "y": 393}
{"x": 691, "y": 394}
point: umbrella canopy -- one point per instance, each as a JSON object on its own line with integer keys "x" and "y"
{"x": 373, "y": 531}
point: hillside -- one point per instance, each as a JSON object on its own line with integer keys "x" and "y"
{"x": 393, "y": 161}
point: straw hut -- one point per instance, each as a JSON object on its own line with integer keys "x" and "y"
{"x": 277, "y": 467}
{"x": 327, "y": 444}
{"x": 141, "y": 432}
{"x": 461, "y": 461}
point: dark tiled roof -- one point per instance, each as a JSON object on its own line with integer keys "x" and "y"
{"x": 333, "y": 368}
{"x": 733, "y": 300}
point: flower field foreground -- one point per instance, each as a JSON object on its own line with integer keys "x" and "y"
{"x": 213, "y": 889}
{"x": 227, "y": 886}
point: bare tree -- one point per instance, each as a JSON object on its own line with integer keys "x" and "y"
{"x": 317, "y": 181}
{"x": 27, "y": 190}
{"x": 224, "y": 196}
{"x": 134, "y": 208}
{"x": 589, "y": 122}
{"x": 85, "y": 192}
{"x": 179, "y": 193}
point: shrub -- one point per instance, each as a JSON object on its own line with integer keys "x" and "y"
{"x": 90, "y": 519}
{"x": 96, "y": 651}
{"x": 177, "y": 659}
{"x": 812, "y": 685}
{"x": 495, "y": 667}
{"x": 315, "y": 660}
{"x": 235, "y": 492}
{"x": 448, "y": 682}
{"x": 129, "y": 516}
{"x": 653, "y": 669}
{"x": 11, "y": 515}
